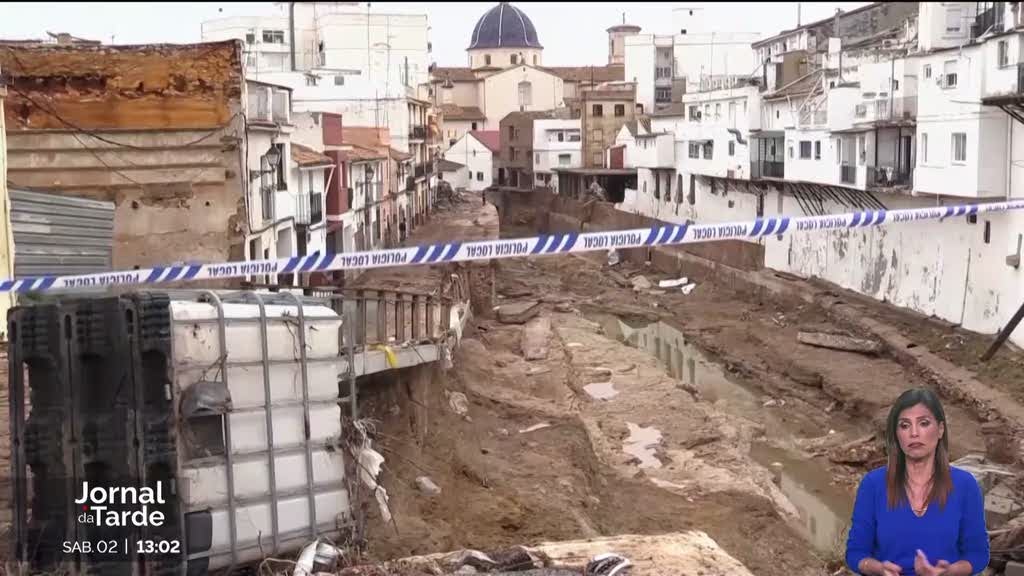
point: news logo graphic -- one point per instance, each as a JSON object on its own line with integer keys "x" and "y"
{"x": 114, "y": 519}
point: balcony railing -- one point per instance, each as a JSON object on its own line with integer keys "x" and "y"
{"x": 417, "y": 132}
{"x": 887, "y": 110}
{"x": 848, "y": 174}
{"x": 767, "y": 169}
{"x": 1020, "y": 78}
{"x": 309, "y": 208}
{"x": 888, "y": 176}
{"x": 420, "y": 170}
{"x": 410, "y": 183}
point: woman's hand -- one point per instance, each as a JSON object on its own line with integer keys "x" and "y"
{"x": 890, "y": 569}
{"x": 922, "y": 567}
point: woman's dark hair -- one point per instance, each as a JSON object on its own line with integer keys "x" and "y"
{"x": 896, "y": 473}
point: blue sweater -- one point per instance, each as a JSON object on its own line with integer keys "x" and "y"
{"x": 956, "y": 532}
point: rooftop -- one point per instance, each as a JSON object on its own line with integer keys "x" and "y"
{"x": 504, "y": 26}
{"x": 455, "y": 112}
{"x": 489, "y": 138}
{"x": 308, "y": 158}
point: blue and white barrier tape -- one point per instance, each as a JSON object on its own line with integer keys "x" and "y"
{"x": 510, "y": 248}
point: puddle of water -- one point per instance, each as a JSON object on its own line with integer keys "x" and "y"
{"x": 642, "y": 443}
{"x": 824, "y": 509}
{"x": 601, "y": 390}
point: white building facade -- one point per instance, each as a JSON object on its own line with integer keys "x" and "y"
{"x": 557, "y": 143}
{"x": 926, "y": 116}
{"x": 473, "y": 153}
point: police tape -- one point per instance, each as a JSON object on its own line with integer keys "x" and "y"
{"x": 509, "y": 248}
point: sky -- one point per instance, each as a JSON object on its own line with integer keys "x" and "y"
{"x": 571, "y": 33}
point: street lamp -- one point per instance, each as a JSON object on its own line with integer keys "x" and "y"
{"x": 273, "y": 157}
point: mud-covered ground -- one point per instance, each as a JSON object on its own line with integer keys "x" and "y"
{"x": 707, "y": 414}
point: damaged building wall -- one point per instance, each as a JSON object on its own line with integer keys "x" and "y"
{"x": 157, "y": 129}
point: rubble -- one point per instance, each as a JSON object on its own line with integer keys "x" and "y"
{"x": 427, "y": 486}
{"x": 640, "y": 283}
{"x": 534, "y": 339}
{"x": 839, "y": 342}
{"x": 458, "y": 402}
{"x": 518, "y": 313}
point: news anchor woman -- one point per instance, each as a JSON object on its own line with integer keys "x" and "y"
{"x": 918, "y": 515}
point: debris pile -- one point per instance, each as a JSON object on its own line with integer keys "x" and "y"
{"x": 516, "y": 560}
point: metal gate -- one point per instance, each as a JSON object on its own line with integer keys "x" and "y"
{"x": 56, "y": 234}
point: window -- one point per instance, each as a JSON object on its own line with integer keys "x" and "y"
{"x": 474, "y": 153}
{"x": 534, "y": 59}
{"x": 959, "y": 147}
{"x": 536, "y": 158}
{"x": 597, "y": 159}
{"x": 479, "y": 176}
{"x": 817, "y": 149}
{"x": 339, "y": 80}
{"x": 525, "y": 93}
{"x": 709, "y": 151}
{"x": 513, "y": 152}
{"x": 487, "y": 59}
{"x": 312, "y": 80}
{"x": 927, "y": 71}
{"x": 473, "y": 126}
{"x": 732, "y": 113}
{"x": 707, "y": 110}
{"x": 953, "y": 18}
{"x": 1004, "y": 53}
{"x": 692, "y": 196}
{"x": 732, "y": 148}
{"x": 451, "y": 142}
{"x": 620, "y": 110}
{"x": 561, "y": 136}
{"x": 282, "y": 164}
{"x": 273, "y": 36}
{"x": 511, "y": 132}
{"x": 597, "y": 135}
{"x": 662, "y": 94}
{"x": 250, "y": 37}
{"x": 718, "y": 110}
{"x": 513, "y": 58}
{"x": 924, "y": 148}
{"x": 988, "y": 232}
{"x": 694, "y": 113}
{"x": 694, "y": 150}
{"x": 839, "y": 152}
{"x": 895, "y": 85}
{"x": 597, "y": 111}
{"x": 805, "y": 149}
{"x": 949, "y": 74}
{"x": 564, "y": 159}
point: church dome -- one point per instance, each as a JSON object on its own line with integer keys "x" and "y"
{"x": 504, "y": 26}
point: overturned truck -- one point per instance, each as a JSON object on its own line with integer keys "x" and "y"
{"x": 166, "y": 434}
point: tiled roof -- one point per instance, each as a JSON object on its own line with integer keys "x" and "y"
{"x": 454, "y": 73}
{"x": 489, "y": 138}
{"x": 448, "y": 166}
{"x": 399, "y": 155}
{"x": 361, "y": 153}
{"x": 304, "y": 156}
{"x": 366, "y": 136}
{"x": 455, "y": 112}
{"x": 613, "y": 73}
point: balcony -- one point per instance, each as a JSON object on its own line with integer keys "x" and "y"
{"x": 889, "y": 177}
{"x": 420, "y": 171}
{"x": 309, "y": 208}
{"x": 410, "y": 183}
{"x": 902, "y": 109}
{"x": 816, "y": 118}
{"x": 767, "y": 169}
{"x": 417, "y": 132}
{"x": 848, "y": 174}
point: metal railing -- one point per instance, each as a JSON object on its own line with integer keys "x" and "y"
{"x": 420, "y": 170}
{"x": 389, "y": 317}
{"x": 889, "y": 176}
{"x": 767, "y": 169}
{"x": 309, "y": 208}
{"x": 417, "y": 132}
{"x": 848, "y": 174}
{"x": 410, "y": 183}
{"x": 890, "y": 109}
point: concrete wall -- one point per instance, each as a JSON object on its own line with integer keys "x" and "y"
{"x": 501, "y": 92}
{"x": 166, "y": 143}
{"x": 823, "y": 170}
{"x": 600, "y": 132}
